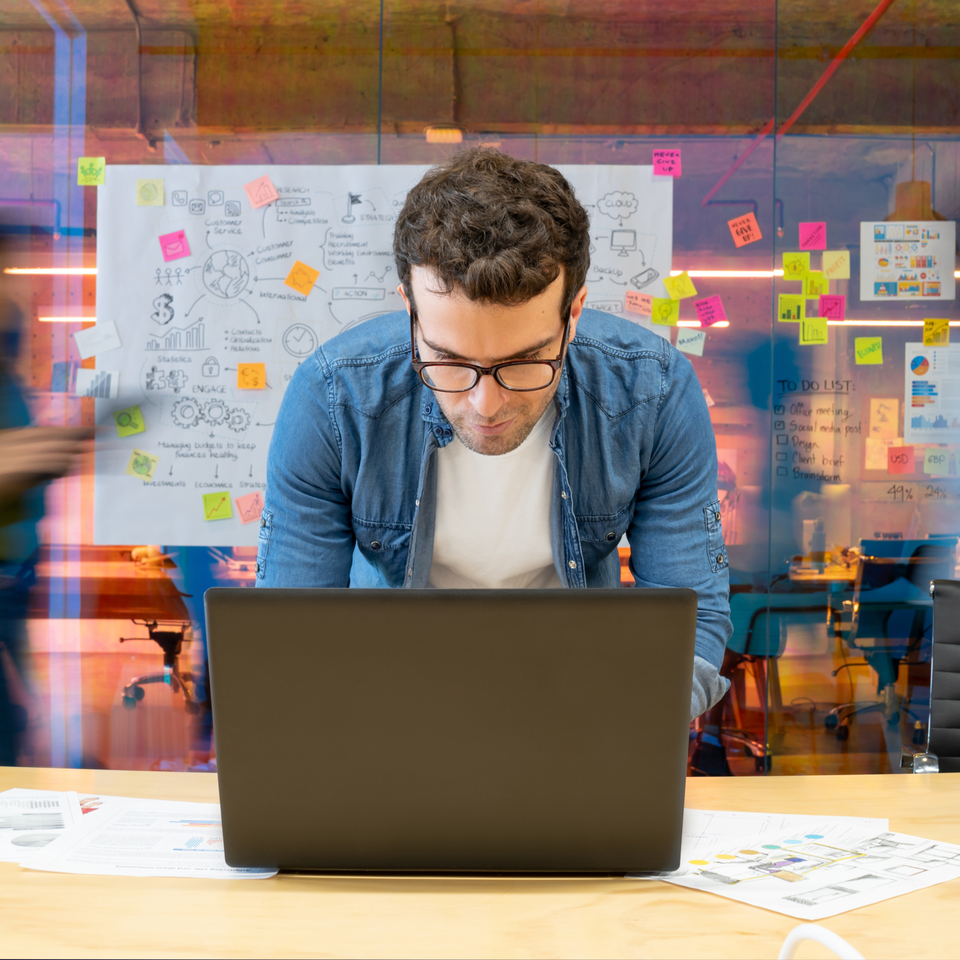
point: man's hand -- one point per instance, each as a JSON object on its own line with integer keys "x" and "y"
{"x": 34, "y": 455}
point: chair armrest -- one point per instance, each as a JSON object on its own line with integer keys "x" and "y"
{"x": 917, "y": 759}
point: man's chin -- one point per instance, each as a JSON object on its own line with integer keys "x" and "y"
{"x": 495, "y": 445}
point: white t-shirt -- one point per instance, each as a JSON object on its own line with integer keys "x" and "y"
{"x": 493, "y": 515}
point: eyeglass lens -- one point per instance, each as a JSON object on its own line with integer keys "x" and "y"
{"x": 520, "y": 376}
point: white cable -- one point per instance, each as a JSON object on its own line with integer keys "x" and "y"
{"x": 823, "y": 936}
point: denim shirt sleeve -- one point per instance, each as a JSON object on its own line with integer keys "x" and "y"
{"x": 675, "y": 536}
{"x": 306, "y": 535}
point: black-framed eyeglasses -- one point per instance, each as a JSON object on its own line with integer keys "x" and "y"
{"x": 456, "y": 376}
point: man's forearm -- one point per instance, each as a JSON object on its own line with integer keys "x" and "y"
{"x": 708, "y": 687}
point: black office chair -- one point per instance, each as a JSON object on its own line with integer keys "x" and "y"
{"x": 169, "y": 635}
{"x": 942, "y": 749}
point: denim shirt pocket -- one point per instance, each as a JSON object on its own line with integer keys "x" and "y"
{"x": 263, "y": 542}
{"x": 716, "y": 551}
{"x": 385, "y": 546}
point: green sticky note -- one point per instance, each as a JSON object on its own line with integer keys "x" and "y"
{"x": 796, "y": 265}
{"x": 91, "y": 171}
{"x": 216, "y": 506}
{"x": 665, "y": 312}
{"x": 868, "y": 349}
{"x": 129, "y": 421}
{"x": 791, "y": 308}
{"x": 813, "y": 331}
{"x": 936, "y": 462}
{"x": 813, "y": 284}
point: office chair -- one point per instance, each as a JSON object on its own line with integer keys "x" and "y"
{"x": 170, "y": 640}
{"x": 886, "y": 621}
{"x": 942, "y": 749}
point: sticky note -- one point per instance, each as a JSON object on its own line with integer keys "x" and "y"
{"x": 795, "y": 265}
{"x": 129, "y": 421}
{"x": 665, "y": 311}
{"x": 261, "y": 192}
{"x": 875, "y": 453}
{"x": 813, "y": 236}
{"x": 216, "y": 506}
{"x": 174, "y": 245}
{"x": 813, "y": 331}
{"x": 666, "y": 163}
{"x": 149, "y": 193}
{"x": 691, "y": 341}
{"x": 833, "y": 306}
{"x": 142, "y": 465}
{"x": 100, "y": 338}
{"x": 836, "y": 264}
{"x": 710, "y": 310}
{"x": 936, "y": 461}
{"x": 900, "y": 460}
{"x": 252, "y": 376}
{"x": 91, "y": 171}
{"x": 744, "y": 229}
{"x": 302, "y": 278}
{"x": 813, "y": 284}
{"x": 641, "y": 303}
{"x": 680, "y": 287}
{"x": 936, "y": 333}
{"x": 791, "y": 308}
{"x": 249, "y": 506}
{"x": 884, "y": 417}
{"x": 868, "y": 350}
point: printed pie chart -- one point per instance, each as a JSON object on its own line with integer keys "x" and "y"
{"x": 919, "y": 365}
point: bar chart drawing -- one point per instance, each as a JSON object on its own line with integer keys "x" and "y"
{"x": 103, "y": 384}
{"x": 190, "y": 338}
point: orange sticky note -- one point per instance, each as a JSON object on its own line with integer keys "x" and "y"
{"x": 302, "y": 278}
{"x": 252, "y": 376}
{"x": 900, "y": 460}
{"x": 641, "y": 303}
{"x": 261, "y": 191}
{"x": 249, "y": 506}
{"x": 745, "y": 229}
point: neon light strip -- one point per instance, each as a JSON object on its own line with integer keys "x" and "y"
{"x": 696, "y": 323}
{"x": 52, "y": 271}
{"x": 67, "y": 319}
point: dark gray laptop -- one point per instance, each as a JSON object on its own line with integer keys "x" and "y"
{"x": 533, "y": 731}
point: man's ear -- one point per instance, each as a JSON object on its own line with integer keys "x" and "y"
{"x": 403, "y": 293}
{"x": 576, "y": 308}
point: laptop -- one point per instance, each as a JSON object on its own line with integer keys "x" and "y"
{"x": 449, "y": 731}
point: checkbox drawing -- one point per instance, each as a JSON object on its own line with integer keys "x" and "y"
{"x": 781, "y": 439}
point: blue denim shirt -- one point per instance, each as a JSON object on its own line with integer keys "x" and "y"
{"x": 352, "y": 476}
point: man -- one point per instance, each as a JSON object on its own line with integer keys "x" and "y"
{"x": 497, "y": 434}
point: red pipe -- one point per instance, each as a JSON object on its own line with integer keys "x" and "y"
{"x": 880, "y": 10}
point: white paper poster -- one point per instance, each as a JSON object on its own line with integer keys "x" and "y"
{"x": 908, "y": 261}
{"x": 931, "y": 398}
{"x": 221, "y": 290}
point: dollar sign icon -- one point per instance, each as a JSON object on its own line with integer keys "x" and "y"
{"x": 163, "y": 312}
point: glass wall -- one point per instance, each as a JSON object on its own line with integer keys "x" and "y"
{"x": 834, "y": 126}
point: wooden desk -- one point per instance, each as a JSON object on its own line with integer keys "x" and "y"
{"x": 57, "y": 915}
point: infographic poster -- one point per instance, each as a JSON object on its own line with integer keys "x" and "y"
{"x": 908, "y": 261}
{"x": 931, "y": 394}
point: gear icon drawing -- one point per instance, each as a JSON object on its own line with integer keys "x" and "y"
{"x": 186, "y": 413}
{"x": 215, "y": 412}
{"x": 239, "y": 420}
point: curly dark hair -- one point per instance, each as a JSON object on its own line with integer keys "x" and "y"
{"x": 498, "y": 229}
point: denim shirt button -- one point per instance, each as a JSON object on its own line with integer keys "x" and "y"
{"x": 428, "y": 408}
{"x": 375, "y": 544}
{"x": 438, "y": 431}
{"x": 572, "y": 564}
{"x": 563, "y": 494}
{"x": 720, "y": 559}
{"x": 716, "y": 517}
{"x": 256, "y": 569}
{"x": 263, "y": 523}
{"x": 611, "y": 536}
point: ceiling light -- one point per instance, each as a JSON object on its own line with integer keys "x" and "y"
{"x": 444, "y": 133}
{"x": 67, "y": 319}
{"x": 52, "y": 271}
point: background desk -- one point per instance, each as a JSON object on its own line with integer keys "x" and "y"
{"x": 55, "y": 915}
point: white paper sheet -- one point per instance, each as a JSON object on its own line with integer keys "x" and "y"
{"x": 931, "y": 395}
{"x": 31, "y": 819}
{"x": 102, "y": 337}
{"x": 98, "y": 383}
{"x": 908, "y": 261}
{"x": 146, "y": 838}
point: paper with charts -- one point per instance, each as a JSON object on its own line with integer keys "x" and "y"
{"x": 906, "y": 261}
{"x": 931, "y": 398}
{"x": 206, "y": 281}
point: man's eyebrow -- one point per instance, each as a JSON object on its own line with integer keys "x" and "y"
{"x": 519, "y": 355}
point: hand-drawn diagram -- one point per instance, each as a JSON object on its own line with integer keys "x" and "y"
{"x": 196, "y": 287}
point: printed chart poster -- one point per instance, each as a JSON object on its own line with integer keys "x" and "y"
{"x": 908, "y": 260}
{"x": 931, "y": 396}
{"x": 201, "y": 283}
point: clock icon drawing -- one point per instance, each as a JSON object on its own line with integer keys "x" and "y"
{"x": 299, "y": 340}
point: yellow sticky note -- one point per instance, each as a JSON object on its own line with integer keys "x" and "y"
{"x": 814, "y": 284}
{"x": 142, "y": 465}
{"x": 129, "y": 421}
{"x": 252, "y": 376}
{"x": 791, "y": 308}
{"x": 868, "y": 349}
{"x": 936, "y": 461}
{"x": 836, "y": 264}
{"x": 216, "y": 506}
{"x": 796, "y": 265}
{"x": 680, "y": 287}
{"x": 91, "y": 171}
{"x": 813, "y": 331}
{"x": 150, "y": 193}
{"x": 665, "y": 312}
{"x": 936, "y": 333}
{"x": 302, "y": 278}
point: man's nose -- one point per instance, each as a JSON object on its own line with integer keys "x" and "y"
{"x": 487, "y": 397}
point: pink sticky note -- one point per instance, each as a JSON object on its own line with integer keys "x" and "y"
{"x": 833, "y": 306}
{"x": 640, "y": 303}
{"x": 261, "y": 191}
{"x": 249, "y": 506}
{"x": 709, "y": 310}
{"x": 813, "y": 236}
{"x": 666, "y": 163}
{"x": 900, "y": 460}
{"x": 174, "y": 245}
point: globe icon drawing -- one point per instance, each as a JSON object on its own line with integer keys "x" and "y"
{"x": 225, "y": 274}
